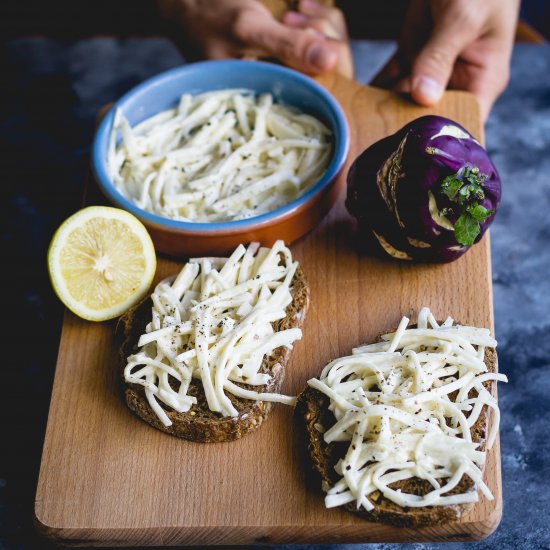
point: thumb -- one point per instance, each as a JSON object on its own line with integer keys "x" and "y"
{"x": 433, "y": 66}
{"x": 302, "y": 49}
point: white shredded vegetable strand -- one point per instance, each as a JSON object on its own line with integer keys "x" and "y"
{"x": 218, "y": 156}
{"x": 405, "y": 406}
{"x": 213, "y": 323}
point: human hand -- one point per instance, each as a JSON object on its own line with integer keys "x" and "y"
{"x": 460, "y": 44}
{"x": 246, "y": 28}
{"x": 328, "y": 22}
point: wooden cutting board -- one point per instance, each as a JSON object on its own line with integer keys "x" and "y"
{"x": 107, "y": 478}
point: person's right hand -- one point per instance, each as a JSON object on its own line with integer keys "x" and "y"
{"x": 458, "y": 44}
{"x": 245, "y": 28}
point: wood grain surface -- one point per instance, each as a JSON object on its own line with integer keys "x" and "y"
{"x": 107, "y": 478}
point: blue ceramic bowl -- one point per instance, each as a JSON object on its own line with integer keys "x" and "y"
{"x": 287, "y": 86}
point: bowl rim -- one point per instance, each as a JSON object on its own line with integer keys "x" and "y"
{"x": 340, "y": 153}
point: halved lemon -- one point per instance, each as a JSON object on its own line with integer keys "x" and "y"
{"x": 101, "y": 262}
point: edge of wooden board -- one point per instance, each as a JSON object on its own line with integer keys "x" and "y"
{"x": 364, "y": 531}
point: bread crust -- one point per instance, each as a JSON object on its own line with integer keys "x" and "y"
{"x": 312, "y": 410}
{"x": 200, "y": 423}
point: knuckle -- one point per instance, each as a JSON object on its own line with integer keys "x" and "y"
{"x": 462, "y": 13}
{"x": 437, "y": 58}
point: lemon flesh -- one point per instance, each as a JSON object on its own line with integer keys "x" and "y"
{"x": 101, "y": 262}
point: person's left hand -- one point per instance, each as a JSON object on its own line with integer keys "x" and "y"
{"x": 312, "y": 40}
{"x": 328, "y": 22}
{"x": 460, "y": 44}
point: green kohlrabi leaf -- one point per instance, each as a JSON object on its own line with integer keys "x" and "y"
{"x": 478, "y": 212}
{"x": 466, "y": 229}
{"x": 464, "y": 186}
{"x": 451, "y": 185}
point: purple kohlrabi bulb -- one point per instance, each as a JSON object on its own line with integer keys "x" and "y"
{"x": 426, "y": 193}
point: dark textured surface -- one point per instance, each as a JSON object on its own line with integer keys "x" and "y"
{"x": 50, "y": 92}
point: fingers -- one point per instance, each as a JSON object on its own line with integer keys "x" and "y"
{"x": 486, "y": 91}
{"x": 331, "y": 19}
{"x": 322, "y": 26}
{"x": 485, "y": 80}
{"x": 433, "y": 66}
{"x": 302, "y": 49}
{"x": 414, "y": 34}
{"x": 484, "y": 65}
{"x": 326, "y": 22}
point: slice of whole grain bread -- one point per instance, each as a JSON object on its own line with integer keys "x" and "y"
{"x": 200, "y": 423}
{"x": 312, "y": 409}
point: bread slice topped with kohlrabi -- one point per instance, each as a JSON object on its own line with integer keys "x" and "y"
{"x": 399, "y": 430}
{"x": 204, "y": 357}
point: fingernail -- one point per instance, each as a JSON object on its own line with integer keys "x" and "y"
{"x": 320, "y": 56}
{"x": 428, "y": 88}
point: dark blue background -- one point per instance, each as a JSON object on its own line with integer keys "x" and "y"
{"x": 50, "y": 92}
